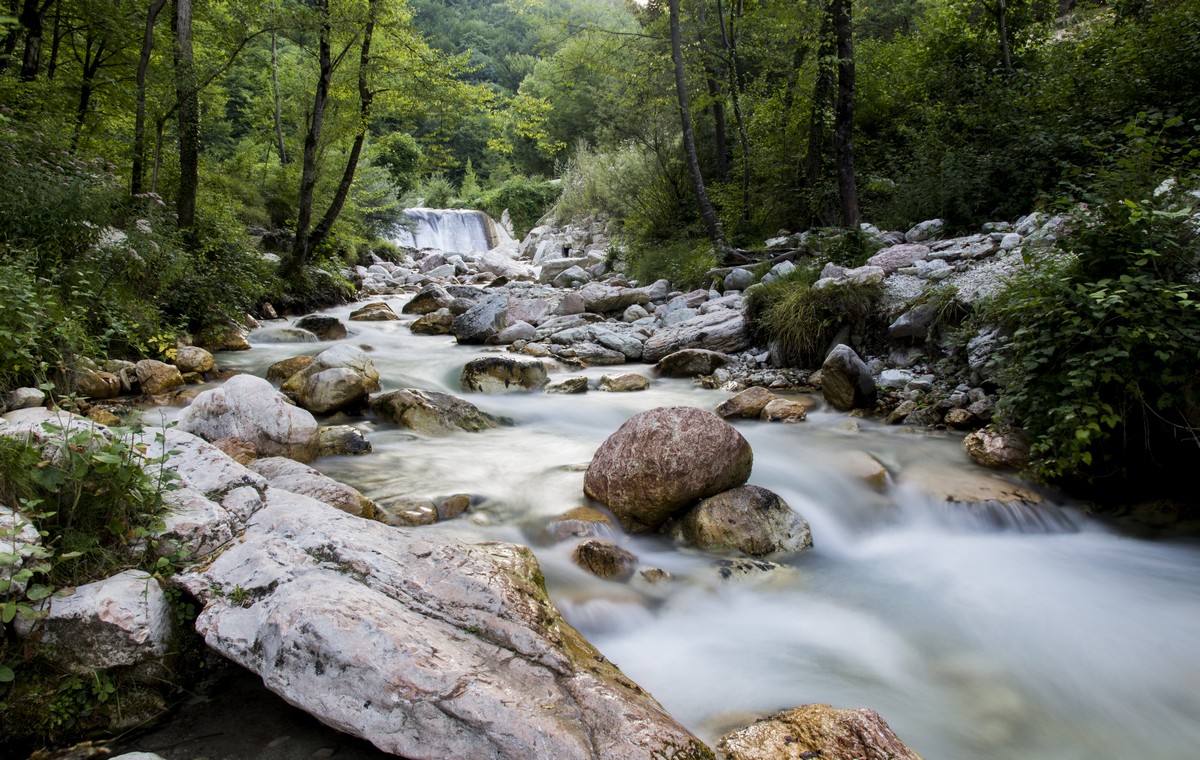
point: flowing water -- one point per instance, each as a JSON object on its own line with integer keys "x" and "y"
{"x": 1023, "y": 635}
{"x": 450, "y": 230}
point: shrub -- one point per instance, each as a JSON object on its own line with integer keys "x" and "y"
{"x": 799, "y": 321}
{"x": 646, "y": 195}
{"x": 526, "y": 200}
{"x": 685, "y": 263}
{"x": 1100, "y": 365}
{"x": 92, "y": 493}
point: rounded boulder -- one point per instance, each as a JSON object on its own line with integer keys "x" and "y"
{"x": 662, "y": 461}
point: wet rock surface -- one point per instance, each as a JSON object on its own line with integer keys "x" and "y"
{"x": 664, "y": 459}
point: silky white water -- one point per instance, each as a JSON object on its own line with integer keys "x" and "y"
{"x": 450, "y": 230}
{"x": 973, "y": 641}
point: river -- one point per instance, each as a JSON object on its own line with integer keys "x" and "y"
{"x": 1026, "y": 639}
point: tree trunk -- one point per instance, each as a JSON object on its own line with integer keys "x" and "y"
{"x": 689, "y": 143}
{"x": 736, "y": 86}
{"x": 283, "y": 158}
{"x": 32, "y": 14}
{"x": 365, "y": 99}
{"x": 843, "y": 118}
{"x": 821, "y": 124}
{"x": 55, "y": 40}
{"x": 308, "y": 174}
{"x": 91, "y": 65}
{"x": 1002, "y": 21}
{"x": 139, "y": 124}
{"x": 720, "y": 133}
{"x": 189, "y": 106}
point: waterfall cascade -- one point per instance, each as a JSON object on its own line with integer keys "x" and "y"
{"x": 450, "y": 230}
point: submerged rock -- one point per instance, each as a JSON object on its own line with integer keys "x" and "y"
{"x": 323, "y": 326}
{"x": 748, "y": 404}
{"x": 425, "y": 647}
{"x": 624, "y": 383}
{"x": 497, "y": 374}
{"x": 431, "y": 412}
{"x": 748, "y": 519}
{"x": 604, "y": 559}
{"x": 664, "y": 459}
{"x": 378, "y": 311}
{"x": 817, "y": 731}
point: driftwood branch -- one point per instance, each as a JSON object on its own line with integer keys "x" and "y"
{"x": 787, "y": 255}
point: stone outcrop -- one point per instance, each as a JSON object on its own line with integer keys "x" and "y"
{"x": 193, "y": 359}
{"x": 817, "y": 731}
{"x": 120, "y": 621}
{"x": 663, "y": 460}
{"x": 289, "y": 475}
{"x": 425, "y": 647}
{"x": 723, "y": 330}
{"x": 248, "y": 407}
{"x": 482, "y": 321}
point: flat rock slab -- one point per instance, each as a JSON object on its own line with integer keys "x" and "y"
{"x": 426, "y": 647}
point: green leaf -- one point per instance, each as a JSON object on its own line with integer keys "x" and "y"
{"x": 6, "y": 674}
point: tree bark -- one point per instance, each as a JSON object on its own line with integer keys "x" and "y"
{"x": 31, "y": 18}
{"x": 188, "y": 113}
{"x": 720, "y": 132}
{"x": 820, "y": 125}
{"x": 308, "y": 172}
{"x": 283, "y": 157}
{"x": 843, "y": 118}
{"x": 365, "y": 99}
{"x": 55, "y": 40}
{"x": 736, "y": 86}
{"x": 87, "y": 85}
{"x": 689, "y": 142}
{"x": 1002, "y": 21}
{"x": 139, "y": 124}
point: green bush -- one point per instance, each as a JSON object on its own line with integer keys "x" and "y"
{"x": 1101, "y": 360}
{"x": 649, "y": 198}
{"x": 526, "y": 200}
{"x": 685, "y": 263}
{"x": 799, "y": 321}
{"x": 92, "y": 493}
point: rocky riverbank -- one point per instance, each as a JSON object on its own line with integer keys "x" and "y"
{"x": 433, "y": 648}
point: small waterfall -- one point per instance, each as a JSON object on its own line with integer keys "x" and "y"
{"x": 450, "y": 230}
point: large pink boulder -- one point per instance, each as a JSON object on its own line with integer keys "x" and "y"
{"x": 664, "y": 460}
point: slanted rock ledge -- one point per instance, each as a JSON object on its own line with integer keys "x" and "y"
{"x": 426, "y": 647}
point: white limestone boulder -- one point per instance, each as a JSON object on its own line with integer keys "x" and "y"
{"x": 424, "y": 646}
{"x": 249, "y": 407}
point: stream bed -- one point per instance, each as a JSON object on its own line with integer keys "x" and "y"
{"x": 1029, "y": 633}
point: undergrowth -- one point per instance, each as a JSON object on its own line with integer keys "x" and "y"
{"x": 800, "y": 321}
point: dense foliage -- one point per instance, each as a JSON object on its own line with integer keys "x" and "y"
{"x": 145, "y": 155}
